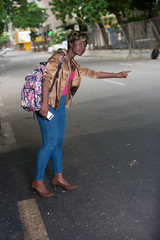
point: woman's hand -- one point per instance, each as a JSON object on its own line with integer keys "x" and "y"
{"x": 44, "y": 110}
{"x": 121, "y": 74}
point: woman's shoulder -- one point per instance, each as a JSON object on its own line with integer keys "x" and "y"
{"x": 57, "y": 56}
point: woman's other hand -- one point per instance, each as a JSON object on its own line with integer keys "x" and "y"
{"x": 44, "y": 110}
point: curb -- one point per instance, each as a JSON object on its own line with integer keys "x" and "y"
{"x": 120, "y": 54}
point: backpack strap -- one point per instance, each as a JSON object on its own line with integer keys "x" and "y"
{"x": 57, "y": 73}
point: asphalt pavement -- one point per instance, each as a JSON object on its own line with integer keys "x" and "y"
{"x": 111, "y": 150}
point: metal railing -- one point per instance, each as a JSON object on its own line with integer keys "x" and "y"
{"x": 135, "y": 35}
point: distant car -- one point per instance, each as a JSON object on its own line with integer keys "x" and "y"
{"x": 57, "y": 46}
{"x": 50, "y": 50}
{"x": 8, "y": 49}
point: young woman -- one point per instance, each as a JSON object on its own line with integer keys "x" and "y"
{"x": 60, "y": 98}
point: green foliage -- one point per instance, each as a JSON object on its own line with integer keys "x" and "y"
{"x": 137, "y": 18}
{"x": 7, "y": 9}
{"x": 11, "y": 8}
{"x": 3, "y": 39}
{"x": 22, "y": 14}
{"x": 85, "y": 11}
{"x": 33, "y": 17}
{"x": 3, "y": 22}
{"x": 110, "y": 22}
{"x": 90, "y": 12}
{"x": 157, "y": 8}
{"x": 58, "y": 36}
{"x": 33, "y": 34}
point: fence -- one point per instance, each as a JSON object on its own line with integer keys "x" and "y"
{"x": 135, "y": 35}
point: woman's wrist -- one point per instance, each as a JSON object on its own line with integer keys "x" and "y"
{"x": 114, "y": 75}
{"x": 45, "y": 105}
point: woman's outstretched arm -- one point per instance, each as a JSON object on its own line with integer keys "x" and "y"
{"x": 123, "y": 74}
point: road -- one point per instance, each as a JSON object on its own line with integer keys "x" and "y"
{"x": 111, "y": 150}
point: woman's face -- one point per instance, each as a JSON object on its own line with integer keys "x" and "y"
{"x": 78, "y": 47}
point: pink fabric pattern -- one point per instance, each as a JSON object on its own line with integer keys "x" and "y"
{"x": 66, "y": 87}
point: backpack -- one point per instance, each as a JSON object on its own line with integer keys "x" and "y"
{"x": 31, "y": 94}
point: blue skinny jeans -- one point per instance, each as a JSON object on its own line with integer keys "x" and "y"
{"x": 52, "y": 139}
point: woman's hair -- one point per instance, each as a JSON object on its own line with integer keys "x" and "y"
{"x": 75, "y": 35}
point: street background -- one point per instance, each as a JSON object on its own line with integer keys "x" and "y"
{"x": 111, "y": 150}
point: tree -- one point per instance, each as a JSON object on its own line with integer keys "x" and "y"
{"x": 3, "y": 22}
{"x": 33, "y": 17}
{"x": 58, "y": 36}
{"x": 8, "y": 9}
{"x": 85, "y": 11}
{"x": 3, "y": 39}
{"x": 22, "y": 15}
{"x": 91, "y": 11}
{"x": 150, "y": 7}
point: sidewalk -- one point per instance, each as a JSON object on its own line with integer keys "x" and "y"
{"x": 120, "y": 53}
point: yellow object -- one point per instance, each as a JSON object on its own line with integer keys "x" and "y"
{"x": 27, "y": 46}
{"x": 39, "y": 39}
{"x": 23, "y": 39}
{"x": 22, "y": 36}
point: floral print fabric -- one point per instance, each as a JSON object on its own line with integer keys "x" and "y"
{"x": 31, "y": 94}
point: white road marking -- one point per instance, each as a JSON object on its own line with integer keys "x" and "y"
{"x": 33, "y": 226}
{"x": 131, "y": 64}
{"x": 126, "y": 64}
{"x": 1, "y": 102}
{"x": 139, "y": 63}
{"x": 114, "y": 82}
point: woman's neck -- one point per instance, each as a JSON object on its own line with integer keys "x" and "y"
{"x": 70, "y": 54}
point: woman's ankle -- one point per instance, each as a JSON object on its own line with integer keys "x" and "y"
{"x": 58, "y": 176}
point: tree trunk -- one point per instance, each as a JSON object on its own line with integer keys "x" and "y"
{"x": 101, "y": 38}
{"x": 124, "y": 27}
{"x": 34, "y": 45}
